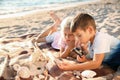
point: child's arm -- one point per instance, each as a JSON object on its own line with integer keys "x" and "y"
{"x": 92, "y": 64}
{"x": 64, "y": 52}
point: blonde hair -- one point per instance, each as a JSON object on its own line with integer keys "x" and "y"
{"x": 66, "y": 23}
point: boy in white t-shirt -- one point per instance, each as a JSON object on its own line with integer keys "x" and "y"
{"x": 103, "y": 48}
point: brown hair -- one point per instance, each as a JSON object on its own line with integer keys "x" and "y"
{"x": 82, "y": 21}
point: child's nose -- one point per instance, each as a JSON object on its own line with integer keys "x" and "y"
{"x": 76, "y": 38}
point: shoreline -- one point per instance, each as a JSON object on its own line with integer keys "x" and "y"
{"x": 53, "y": 7}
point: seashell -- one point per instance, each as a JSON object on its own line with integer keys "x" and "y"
{"x": 16, "y": 67}
{"x": 88, "y": 73}
{"x": 24, "y": 72}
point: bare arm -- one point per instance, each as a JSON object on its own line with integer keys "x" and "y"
{"x": 64, "y": 52}
{"x": 93, "y": 64}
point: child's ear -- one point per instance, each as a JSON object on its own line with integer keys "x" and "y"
{"x": 90, "y": 29}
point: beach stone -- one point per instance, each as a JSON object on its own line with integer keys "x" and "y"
{"x": 67, "y": 76}
{"x": 23, "y": 72}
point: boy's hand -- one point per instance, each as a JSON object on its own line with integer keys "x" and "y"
{"x": 81, "y": 59}
{"x": 65, "y": 65}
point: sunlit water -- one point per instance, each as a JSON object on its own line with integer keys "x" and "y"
{"x": 16, "y": 6}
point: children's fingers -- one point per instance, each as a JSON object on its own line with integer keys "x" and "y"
{"x": 62, "y": 65}
{"x": 80, "y": 59}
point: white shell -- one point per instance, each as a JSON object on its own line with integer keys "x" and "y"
{"x": 16, "y": 67}
{"x": 24, "y": 72}
{"x": 88, "y": 73}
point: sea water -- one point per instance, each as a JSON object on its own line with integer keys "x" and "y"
{"x": 17, "y": 6}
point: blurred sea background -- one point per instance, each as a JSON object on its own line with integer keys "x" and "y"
{"x": 18, "y": 6}
{"x": 19, "y": 17}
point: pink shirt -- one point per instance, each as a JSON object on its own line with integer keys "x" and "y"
{"x": 55, "y": 43}
{"x": 63, "y": 44}
{"x": 59, "y": 41}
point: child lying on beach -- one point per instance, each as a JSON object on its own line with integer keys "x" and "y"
{"x": 51, "y": 35}
{"x": 67, "y": 41}
{"x": 103, "y": 48}
{"x": 62, "y": 40}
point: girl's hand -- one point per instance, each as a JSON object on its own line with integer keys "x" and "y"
{"x": 81, "y": 59}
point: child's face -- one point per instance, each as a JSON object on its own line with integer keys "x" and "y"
{"x": 68, "y": 36}
{"x": 82, "y": 36}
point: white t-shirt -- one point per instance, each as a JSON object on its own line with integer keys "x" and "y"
{"x": 103, "y": 43}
